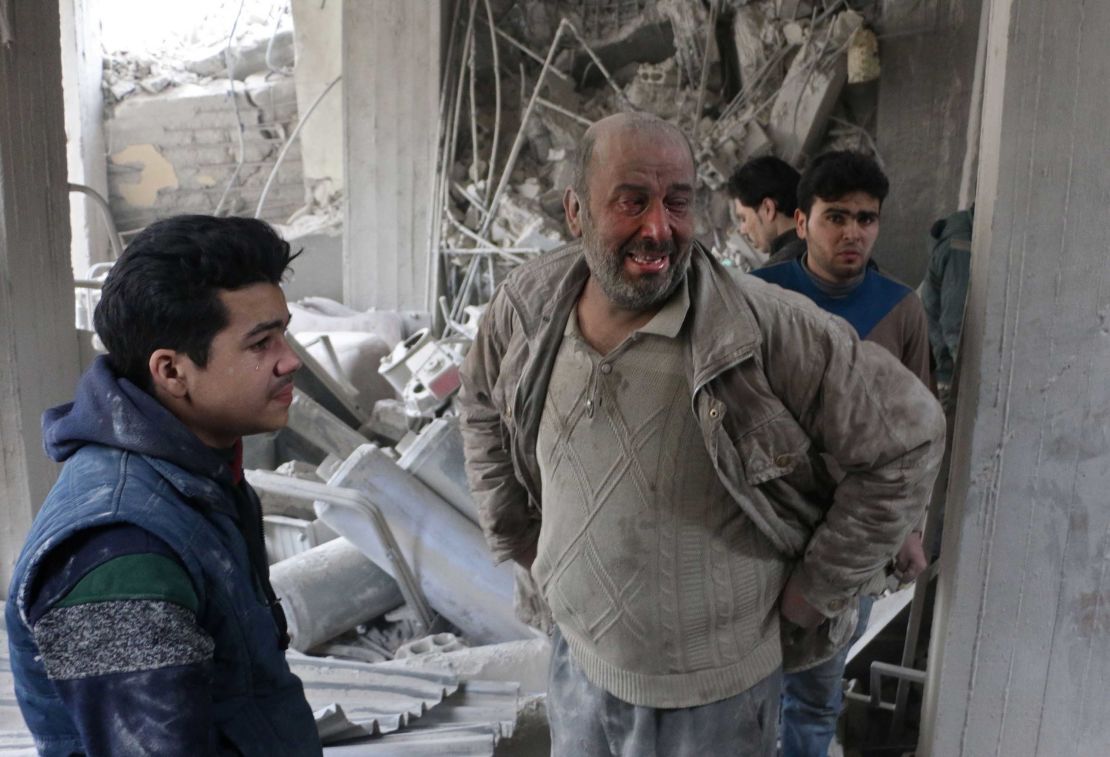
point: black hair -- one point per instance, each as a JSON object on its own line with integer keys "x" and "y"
{"x": 834, "y": 174}
{"x": 765, "y": 177}
{"x": 163, "y": 292}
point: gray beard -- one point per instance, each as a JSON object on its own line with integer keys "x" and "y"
{"x": 607, "y": 268}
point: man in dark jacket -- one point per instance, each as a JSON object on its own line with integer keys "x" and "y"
{"x": 141, "y": 619}
{"x": 944, "y": 292}
{"x": 764, "y": 198}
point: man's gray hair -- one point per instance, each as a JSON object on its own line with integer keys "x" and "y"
{"x": 634, "y": 121}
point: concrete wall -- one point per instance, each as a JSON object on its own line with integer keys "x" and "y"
{"x": 927, "y": 51}
{"x": 38, "y": 346}
{"x": 84, "y": 114}
{"x": 174, "y": 152}
{"x": 391, "y": 75}
{"x": 1020, "y": 664}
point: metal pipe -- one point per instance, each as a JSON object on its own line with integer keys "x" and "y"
{"x": 496, "y": 99}
{"x": 531, "y": 53}
{"x": 453, "y": 129}
{"x": 106, "y": 214}
{"x": 880, "y": 669}
{"x": 354, "y": 500}
{"x": 597, "y": 62}
{"x": 560, "y": 109}
{"x": 518, "y": 142}
{"x": 448, "y": 553}
{"x": 289, "y": 143}
{"x": 472, "y": 101}
{"x": 704, "y": 78}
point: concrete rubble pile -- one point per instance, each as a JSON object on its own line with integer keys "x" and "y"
{"x": 374, "y": 543}
{"x": 201, "y": 127}
{"x": 786, "y": 77}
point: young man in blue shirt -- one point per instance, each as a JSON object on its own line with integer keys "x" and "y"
{"x": 840, "y": 196}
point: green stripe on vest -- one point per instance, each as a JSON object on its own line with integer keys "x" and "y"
{"x": 144, "y": 576}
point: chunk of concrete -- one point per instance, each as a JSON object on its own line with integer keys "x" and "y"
{"x": 863, "y": 57}
{"x": 330, "y": 589}
{"x": 310, "y": 420}
{"x": 445, "y": 551}
{"x": 802, "y": 106}
{"x": 436, "y": 458}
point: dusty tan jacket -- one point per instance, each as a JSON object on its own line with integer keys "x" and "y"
{"x": 776, "y": 383}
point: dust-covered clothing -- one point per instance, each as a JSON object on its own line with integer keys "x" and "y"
{"x": 663, "y": 588}
{"x": 588, "y": 721}
{"x": 140, "y": 617}
{"x": 881, "y": 309}
{"x": 775, "y": 384}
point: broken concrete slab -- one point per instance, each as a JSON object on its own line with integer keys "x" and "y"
{"x": 524, "y": 662}
{"x": 352, "y": 358}
{"x": 802, "y": 106}
{"x": 287, "y": 536}
{"x": 310, "y": 420}
{"x": 446, "y": 552}
{"x": 330, "y": 589}
{"x": 435, "y": 457}
{"x": 246, "y": 59}
{"x": 177, "y": 150}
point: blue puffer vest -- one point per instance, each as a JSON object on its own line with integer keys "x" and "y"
{"x": 258, "y": 704}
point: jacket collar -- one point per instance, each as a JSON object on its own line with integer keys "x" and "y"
{"x": 722, "y": 327}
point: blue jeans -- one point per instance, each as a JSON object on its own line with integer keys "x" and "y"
{"x": 587, "y": 721}
{"x": 811, "y": 699}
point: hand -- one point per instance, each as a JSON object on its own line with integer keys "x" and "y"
{"x": 910, "y": 560}
{"x": 794, "y": 607}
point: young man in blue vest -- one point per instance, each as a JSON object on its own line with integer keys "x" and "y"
{"x": 141, "y": 619}
{"x": 840, "y": 195}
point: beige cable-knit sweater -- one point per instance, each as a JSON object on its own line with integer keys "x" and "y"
{"x": 663, "y": 588}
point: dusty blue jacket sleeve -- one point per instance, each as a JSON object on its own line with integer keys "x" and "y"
{"x": 165, "y": 711}
{"x": 114, "y": 620}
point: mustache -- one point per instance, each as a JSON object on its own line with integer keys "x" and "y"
{"x": 667, "y": 247}
{"x": 283, "y": 382}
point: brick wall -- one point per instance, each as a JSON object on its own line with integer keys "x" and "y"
{"x": 174, "y": 152}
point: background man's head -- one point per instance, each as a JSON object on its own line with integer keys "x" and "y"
{"x": 192, "y": 312}
{"x": 764, "y": 196}
{"x": 839, "y": 198}
{"x": 632, "y": 204}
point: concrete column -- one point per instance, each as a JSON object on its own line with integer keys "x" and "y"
{"x": 391, "y": 75}
{"x": 928, "y": 64}
{"x": 1020, "y": 659}
{"x": 38, "y": 342}
{"x": 82, "y": 70}
{"x": 318, "y": 35}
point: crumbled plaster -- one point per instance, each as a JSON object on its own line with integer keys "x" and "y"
{"x": 155, "y": 173}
